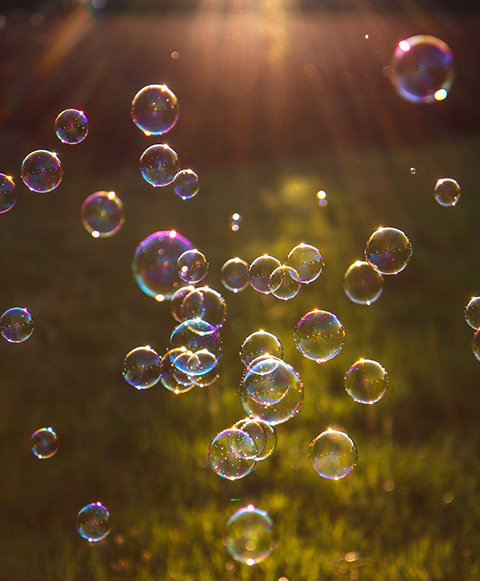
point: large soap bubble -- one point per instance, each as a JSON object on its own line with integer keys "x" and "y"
{"x": 249, "y": 535}
{"x": 93, "y": 522}
{"x": 222, "y": 458}
{"x": 319, "y": 335}
{"x": 333, "y": 454}
{"x": 366, "y": 381}
{"x": 388, "y": 250}
{"x": 155, "y": 109}
{"x": 362, "y": 283}
{"x": 41, "y": 171}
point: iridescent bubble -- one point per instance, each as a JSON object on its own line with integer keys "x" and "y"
{"x": 206, "y": 379}
{"x": 261, "y": 432}
{"x": 172, "y": 378}
{"x": 322, "y": 198}
{"x": 201, "y": 339}
{"x": 388, "y": 250}
{"x": 142, "y": 367}
{"x": 194, "y": 363}
{"x": 234, "y": 222}
{"x": 249, "y": 535}
{"x": 7, "y": 193}
{"x": 333, "y": 454}
{"x": 41, "y": 171}
{"x": 257, "y": 435}
{"x": 159, "y": 165}
{"x": 260, "y": 272}
{"x": 422, "y": 69}
{"x": 319, "y": 335}
{"x": 366, "y": 381}
{"x": 447, "y": 192}
{"x": 44, "y": 443}
{"x": 155, "y": 263}
{"x": 185, "y": 184}
{"x": 206, "y": 304}
{"x": 177, "y": 300}
{"x": 155, "y": 109}
{"x": 102, "y": 214}
{"x": 243, "y": 445}
{"x": 235, "y": 274}
{"x": 223, "y": 461}
{"x": 306, "y": 261}
{"x": 192, "y": 266}
{"x": 472, "y": 313}
{"x": 269, "y": 379}
{"x": 362, "y": 283}
{"x": 16, "y": 325}
{"x": 284, "y": 283}
{"x": 71, "y": 126}
{"x": 93, "y": 522}
{"x": 413, "y": 171}
{"x": 260, "y": 343}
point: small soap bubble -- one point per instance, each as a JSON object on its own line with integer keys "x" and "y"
{"x": 185, "y": 184}
{"x": 235, "y": 274}
{"x": 142, "y": 367}
{"x": 284, "y": 283}
{"x": 447, "y": 192}
{"x": 262, "y": 433}
{"x": 71, "y": 126}
{"x": 322, "y": 198}
{"x": 362, "y": 283}
{"x": 388, "y": 250}
{"x": 423, "y": 69}
{"x": 175, "y": 55}
{"x": 476, "y": 344}
{"x": 472, "y": 313}
{"x": 41, "y": 171}
{"x": 93, "y": 522}
{"x": 333, "y": 454}
{"x": 222, "y": 459}
{"x": 319, "y": 335}
{"x": 172, "y": 378}
{"x": 8, "y": 196}
{"x": 192, "y": 266}
{"x": 159, "y": 165}
{"x": 44, "y": 443}
{"x": 260, "y": 343}
{"x": 413, "y": 171}
{"x": 249, "y": 535}
{"x": 176, "y": 302}
{"x": 269, "y": 379}
{"x": 306, "y": 261}
{"x": 16, "y": 325}
{"x": 155, "y": 109}
{"x": 366, "y": 381}
{"x": 207, "y": 304}
{"x": 202, "y": 344}
{"x": 260, "y": 272}
{"x": 102, "y": 214}
{"x": 234, "y": 222}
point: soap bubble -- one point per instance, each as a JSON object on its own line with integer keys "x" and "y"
{"x": 41, "y": 171}
{"x": 222, "y": 459}
{"x": 366, "y": 381}
{"x": 333, "y": 454}
{"x": 155, "y": 263}
{"x": 16, "y": 325}
{"x": 472, "y": 313}
{"x": 284, "y": 283}
{"x": 192, "y": 266}
{"x": 159, "y": 165}
{"x": 71, "y": 126}
{"x": 155, "y": 109}
{"x": 260, "y": 343}
{"x": 388, "y": 250}
{"x": 206, "y": 379}
{"x": 185, "y": 184}
{"x": 206, "y": 304}
{"x": 172, "y": 378}
{"x": 447, "y": 192}
{"x": 319, "y": 335}
{"x": 201, "y": 342}
{"x": 235, "y": 274}
{"x": 261, "y": 432}
{"x": 93, "y": 522}
{"x": 306, "y": 261}
{"x": 476, "y": 344}
{"x": 142, "y": 367}
{"x": 260, "y": 271}
{"x": 249, "y": 535}
{"x": 244, "y": 445}
{"x": 176, "y": 302}
{"x": 44, "y": 443}
{"x": 423, "y": 69}
{"x": 102, "y": 214}
{"x": 257, "y": 434}
{"x": 268, "y": 380}
{"x": 322, "y": 198}
{"x": 362, "y": 283}
{"x": 234, "y": 222}
{"x": 7, "y": 193}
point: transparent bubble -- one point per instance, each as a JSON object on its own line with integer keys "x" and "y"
{"x": 413, "y": 171}
{"x": 362, "y": 283}
{"x": 195, "y": 363}
{"x": 155, "y": 263}
{"x": 8, "y": 196}
{"x": 262, "y": 433}
{"x": 284, "y": 283}
{"x": 185, "y": 184}
{"x": 306, "y": 261}
{"x": 142, "y": 367}
{"x": 192, "y": 266}
{"x": 16, "y": 325}
{"x": 206, "y": 379}
{"x": 44, "y": 443}
{"x": 201, "y": 340}
{"x": 260, "y": 343}
{"x": 93, "y": 522}
{"x": 319, "y": 336}
{"x": 476, "y": 344}
{"x": 388, "y": 250}
{"x": 260, "y": 272}
{"x": 155, "y": 109}
{"x": 257, "y": 435}
{"x": 322, "y": 198}
{"x": 172, "y": 378}
{"x": 243, "y": 445}
{"x": 249, "y": 535}
{"x": 41, "y": 171}
{"x": 222, "y": 459}
{"x": 159, "y": 165}
{"x": 447, "y": 192}
{"x": 206, "y": 304}
{"x": 333, "y": 454}
{"x": 472, "y": 313}
{"x": 235, "y": 274}
{"x": 176, "y": 302}
{"x": 366, "y": 381}
{"x": 422, "y": 69}
{"x": 71, "y": 126}
{"x": 234, "y": 222}
{"x": 268, "y": 380}
{"x": 102, "y": 214}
